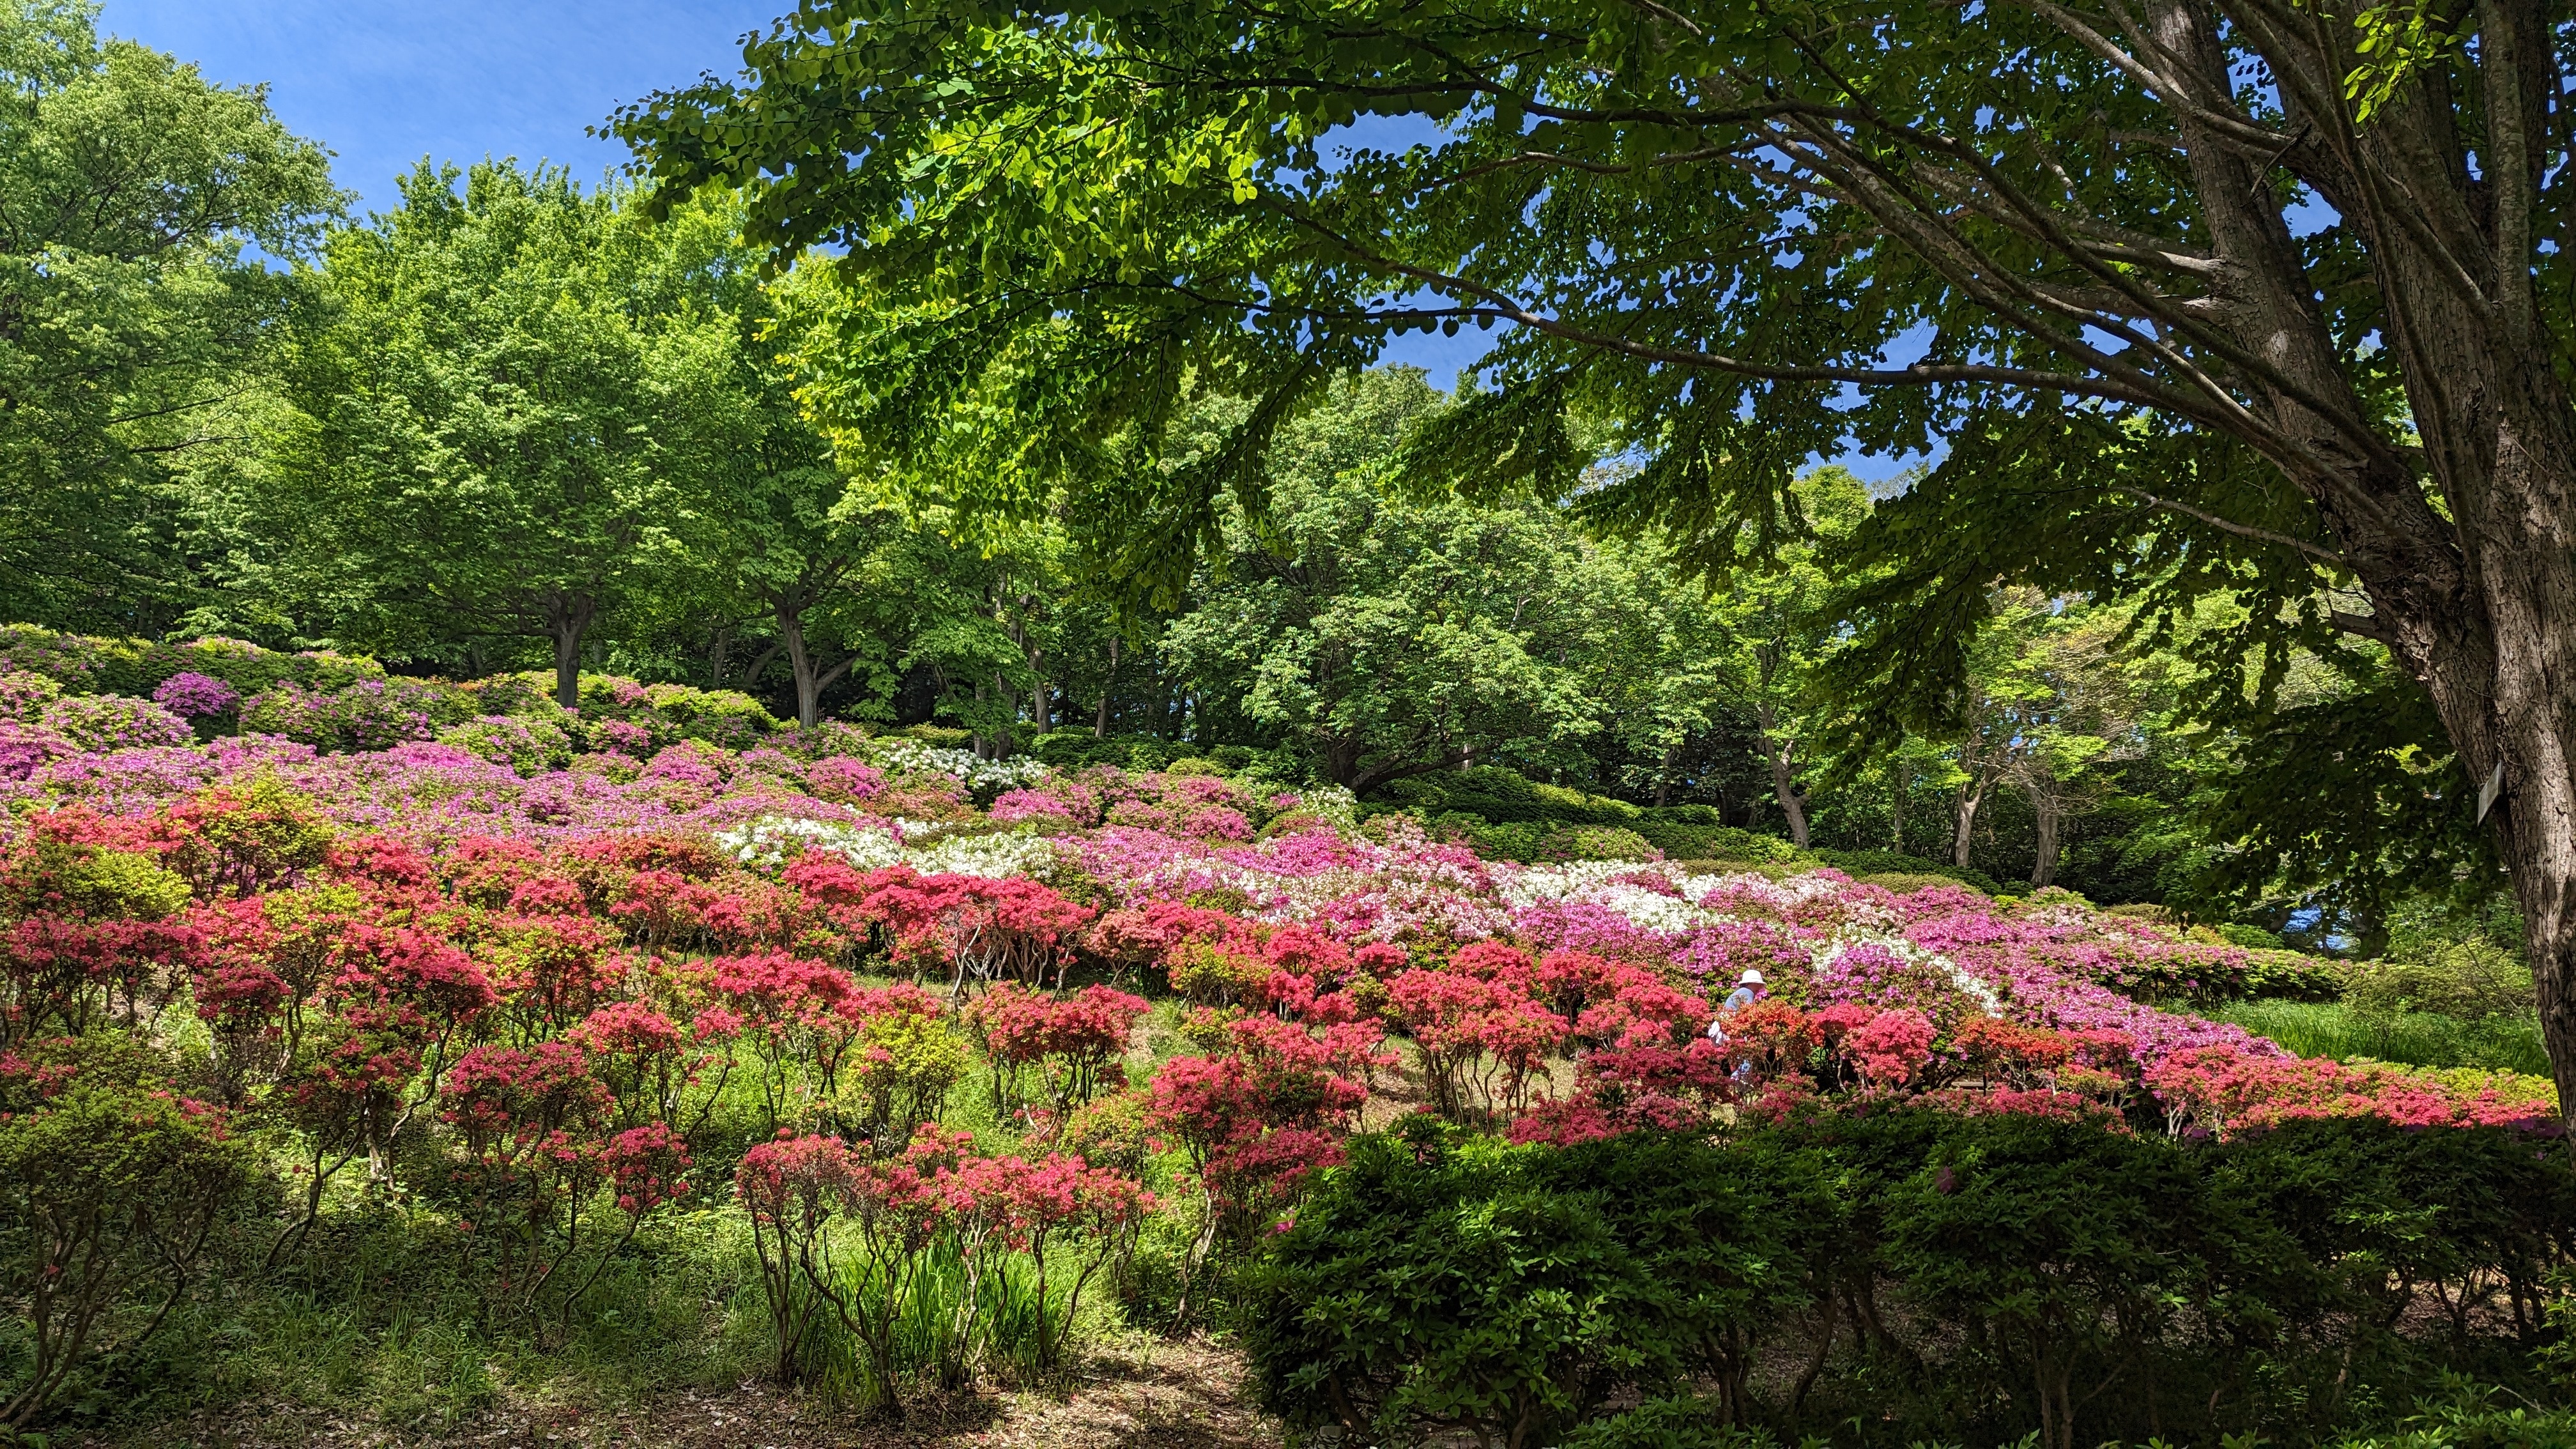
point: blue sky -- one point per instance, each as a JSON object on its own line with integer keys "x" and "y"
{"x": 384, "y": 83}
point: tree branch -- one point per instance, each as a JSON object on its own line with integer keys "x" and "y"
{"x": 2241, "y": 530}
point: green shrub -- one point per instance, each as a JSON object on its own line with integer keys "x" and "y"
{"x": 1858, "y": 863}
{"x": 1676, "y": 1423}
{"x": 109, "y": 1183}
{"x": 2253, "y": 938}
{"x": 88, "y": 664}
{"x": 1501, "y": 796}
{"x": 1906, "y": 883}
{"x": 2471, "y": 980}
{"x": 527, "y": 746}
{"x": 1074, "y": 749}
{"x": 1541, "y": 844}
{"x": 1681, "y": 841}
{"x": 1450, "y": 1283}
{"x": 1910, "y": 1275}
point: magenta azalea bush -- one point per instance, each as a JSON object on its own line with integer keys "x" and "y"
{"x": 191, "y": 695}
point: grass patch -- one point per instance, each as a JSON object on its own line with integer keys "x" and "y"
{"x": 2421, "y": 1039}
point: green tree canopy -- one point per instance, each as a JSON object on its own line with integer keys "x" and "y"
{"x": 141, "y": 209}
{"x": 519, "y": 394}
{"x": 1390, "y": 637}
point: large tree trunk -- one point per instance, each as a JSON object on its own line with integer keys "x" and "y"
{"x": 568, "y": 617}
{"x": 811, "y": 680}
{"x": 2476, "y": 600}
{"x": 800, "y": 664}
{"x": 1784, "y": 786}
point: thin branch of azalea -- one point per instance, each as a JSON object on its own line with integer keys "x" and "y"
{"x": 2241, "y": 530}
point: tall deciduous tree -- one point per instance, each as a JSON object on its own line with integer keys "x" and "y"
{"x": 520, "y": 389}
{"x": 132, "y": 305}
{"x": 2212, "y": 293}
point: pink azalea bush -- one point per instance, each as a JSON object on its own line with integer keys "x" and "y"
{"x": 191, "y": 695}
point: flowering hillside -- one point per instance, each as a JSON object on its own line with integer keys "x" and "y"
{"x": 1548, "y": 999}
{"x": 552, "y": 996}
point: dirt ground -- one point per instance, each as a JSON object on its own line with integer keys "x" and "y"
{"x": 1143, "y": 1392}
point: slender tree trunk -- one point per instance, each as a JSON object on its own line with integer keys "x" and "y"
{"x": 1971, "y": 795}
{"x": 1100, "y": 722}
{"x": 1896, "y": 809}
{"x": 1342, "y": 754}
{"x": 2045, "y": 808}
{"x": 719, "y": 653}
{"x": 568, "y": 617}
{"x": 1664, "y": 776}
{"x": 1793, "y": 806}
{"x": 800, "y": 663}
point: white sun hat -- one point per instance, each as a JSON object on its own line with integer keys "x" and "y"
{"x": 1750, "y": 977}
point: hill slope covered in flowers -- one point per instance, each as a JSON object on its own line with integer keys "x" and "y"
{"x": 553, "y": 995}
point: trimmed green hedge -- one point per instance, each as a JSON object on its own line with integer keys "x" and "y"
{"x": 87, "y": 664}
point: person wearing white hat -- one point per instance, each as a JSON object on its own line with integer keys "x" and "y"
{"x": 1749, "y": 989}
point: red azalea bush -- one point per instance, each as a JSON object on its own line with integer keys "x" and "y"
{"x": 1071, "y": 1041}
{"x": 937, "y": 1194}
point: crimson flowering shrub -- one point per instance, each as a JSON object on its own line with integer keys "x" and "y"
{"x": 1892, "y": 1047}
{"x": 1071, "y": 1041}
{"x": 651, "y": 1066}
{"x": 972, "y": 927}
{"x": 1262, "y": 1116}
{"x": 2221, "y": 1090}
{"x": 538, "y": 1137}
{"x": 1485, "y": 1040}
{"x": 1622, "y": 1089}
